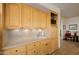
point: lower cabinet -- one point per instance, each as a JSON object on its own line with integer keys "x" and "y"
{"x": 32, "y": 48}
{"x": 38, "y": 48}
{"x": 42, "y": 47}
{"x": 15, "y": 51}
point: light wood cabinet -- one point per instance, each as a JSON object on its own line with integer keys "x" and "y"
{"x": 35, "y": 18}
{"x": 12, "y": 16}
{"x": 44, "y": 47}
{"x": 26, "y": 16}
{"x": 48, "y": 21}
{"x": 1, "y": 16}
{"x": 43, "y": 19}
{"x": 39, "y": 19}
{"x": 15, "y": 51}
{"x": 32, "y": 49}
{"x": 54, "y": 44}
{"x": 38, "y": 48}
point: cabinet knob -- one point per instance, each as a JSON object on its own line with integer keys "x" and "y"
{"x": 46, "y": 44}
{"x": 16, "y": 50}
{"x": 34, "y": 45}
{"x": 34, "y": 51}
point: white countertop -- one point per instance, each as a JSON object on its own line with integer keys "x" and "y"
{"x": 22, "y": 42}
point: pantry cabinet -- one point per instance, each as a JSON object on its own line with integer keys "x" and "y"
{"x": 12, "y": 16}
{"x": 15, "y": 51}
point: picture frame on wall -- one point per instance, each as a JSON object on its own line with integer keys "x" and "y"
{"x": 64, "y": 27}
{"x": 73, "y": 27}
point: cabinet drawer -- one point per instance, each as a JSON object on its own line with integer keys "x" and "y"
{"x": 32, "y": 49}
{"x": 33, "y": 45}
{"x": 44, "y": 47}
{"x": 32, "y": 52}
{"x": 15, "y": 51}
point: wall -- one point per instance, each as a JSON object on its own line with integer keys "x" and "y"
{"x": 63, "y": 22}
{"x": 67, "y": 21}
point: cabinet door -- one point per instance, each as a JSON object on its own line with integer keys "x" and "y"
{"x": 35, "y": 18}
{"x": 26, "y": 16}
{"x": 44, "y": 19}
{"x": 54, "y": 45}
{"x": 12, "y": 16}
{"x": 15, "y": 51}
{"x": 32, "y": 49}
{"x": 1, "y": 16}
{"x": 44, "y": 47}
{"x": 48, "y": 23}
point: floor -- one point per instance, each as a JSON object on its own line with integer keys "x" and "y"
{"x": 68, "y": 48}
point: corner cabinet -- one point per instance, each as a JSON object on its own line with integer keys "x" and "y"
{"x": 12, "y": 16}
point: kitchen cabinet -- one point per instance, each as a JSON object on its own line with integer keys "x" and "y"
{"x": 12, "y": 16}
{"x": 1, "y": 16}
{"x": 35, "y": 48}
{"x": 43, "y": 19}
{"x": 44, "y": 47}
{"x": 26, "y": 16}
{"x": 54, "y": 45}
{"x": 15, "y": 51}
{"x": 48, "y": 22}
{"x": 32, "y": 48}
{"x": 35, "y": 18}
{"x": 1, "y": 24}
{"x": 38, "y": 48}
{"x": 39, "y": 18}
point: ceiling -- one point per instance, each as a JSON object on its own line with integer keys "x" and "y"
{"x": 68, "y": 9}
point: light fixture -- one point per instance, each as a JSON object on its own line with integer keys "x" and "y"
{"x": 39, "y": 30}
{"x": 26, "y": 30}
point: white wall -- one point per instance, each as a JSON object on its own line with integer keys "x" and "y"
{"x": 63, "y": 22}
{"x": 73, "y": 20}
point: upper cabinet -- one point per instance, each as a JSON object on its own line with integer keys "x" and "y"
{"x": 39, "y": 19}
{"x": 26, "y": 16}
{"x": 35, "y": 18}
{"x": 12, "y": 16}
{"x": 43, "y": 20}
{"x": 1, "y": 16}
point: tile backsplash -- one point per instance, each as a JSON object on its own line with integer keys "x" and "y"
{"x": 21, "y": 35}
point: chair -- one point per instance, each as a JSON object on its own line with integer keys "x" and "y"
{"x": 67, "y": 36}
